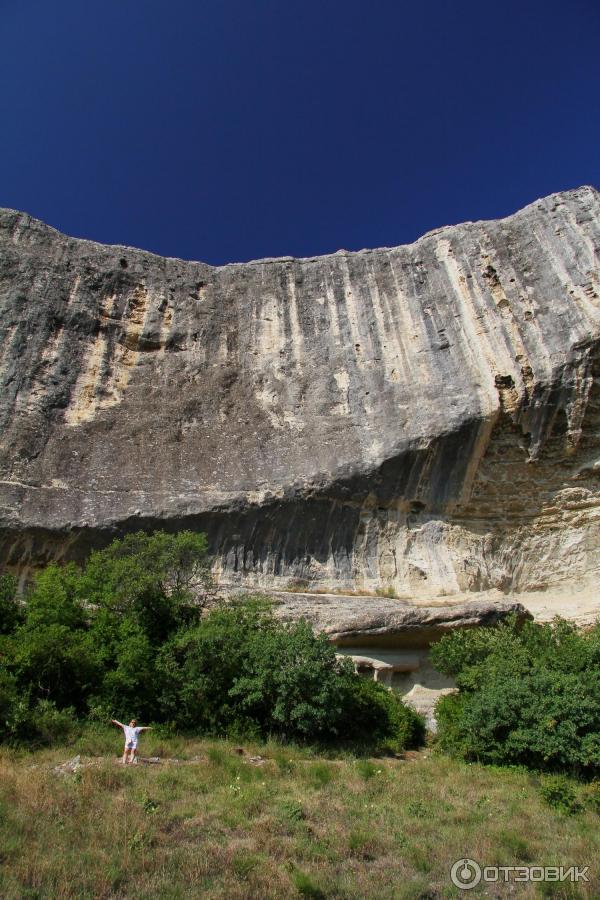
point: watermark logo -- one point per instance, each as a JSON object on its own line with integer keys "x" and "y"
{"x": 467, "y": 874}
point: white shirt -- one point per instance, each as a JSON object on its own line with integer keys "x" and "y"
{"x": 131, "y": 734}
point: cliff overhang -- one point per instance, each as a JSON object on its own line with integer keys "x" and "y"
{"x": 422, "y": 419}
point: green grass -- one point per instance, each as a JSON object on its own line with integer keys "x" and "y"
{"x": 212, "y": 825}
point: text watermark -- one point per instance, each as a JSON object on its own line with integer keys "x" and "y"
{"x": 467, "y": 874}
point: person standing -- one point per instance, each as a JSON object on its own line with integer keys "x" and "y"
{"x": 131, "y": 732}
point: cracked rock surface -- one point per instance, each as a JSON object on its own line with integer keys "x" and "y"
{"x": 363, "y": 621}
{"x": 424, "y": 418}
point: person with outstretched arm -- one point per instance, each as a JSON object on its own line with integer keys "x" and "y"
{"x": 131, "y": 732}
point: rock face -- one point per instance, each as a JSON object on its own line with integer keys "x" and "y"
{"x": 424, "y": 418}
{"x": 378, "y": 621}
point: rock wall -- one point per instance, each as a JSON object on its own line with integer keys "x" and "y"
{"x": 424, "y": 419}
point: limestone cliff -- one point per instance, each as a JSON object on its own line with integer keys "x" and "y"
{"x": 425, "y": 418}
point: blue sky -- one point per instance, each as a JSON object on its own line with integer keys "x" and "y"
{"x": 225, "y": 130}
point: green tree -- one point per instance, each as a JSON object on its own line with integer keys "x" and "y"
{"x": 54, "y": 599}
{"x": 528, "y": 696}
{"x": 176, "y": 565}
{"x": 142, "y": 590}
{"x": 50, "y": 653}
{"x": 130, "y": 683}
{"x": 200, "y": 665}
{"x": 292, "y": 683}
{"x": 11, "y": 612}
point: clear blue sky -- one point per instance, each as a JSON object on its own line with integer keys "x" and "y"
{"x": 233, "y": 129}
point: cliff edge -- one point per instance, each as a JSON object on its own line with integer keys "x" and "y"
{"x": 423, "y": 419}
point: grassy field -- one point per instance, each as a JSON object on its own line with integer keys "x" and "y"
{"x": 213, "y": 825}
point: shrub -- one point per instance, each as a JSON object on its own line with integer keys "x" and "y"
{"x": 158, "y": 580}
{"x": 54, "y": 600}
{"x": 320, "y": 774}
{"x": 57, "y": 664}
{"x": 560, "y": 793}
{"x": 591, "y": 796}
{"x": 292, "y": 811}
{"x": 142, "y": 591}
{"x": 451, "y": 736}
{"x": 366, "y": 769}
{"x": 528, "y": 696}
{"x": 49, "y": 653}
{"x": 131, "y": 682}
{"x": 8, "y": 703}
{"x": 292, "y": 684}
{"x": 378, "y": 719}
{"x": 200, "y": 665}
{"x": 306, "y": 886}
{"x": 11, "y": 612}
{"x": 43, "y": 724}
{"x": 242, "y": 672}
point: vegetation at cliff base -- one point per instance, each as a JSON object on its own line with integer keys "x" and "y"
{"x": 528, "y": 696}
{"x": 259, "y": 790}
{"x": 127, "y": 635}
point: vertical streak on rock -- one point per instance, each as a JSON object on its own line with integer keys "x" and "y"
{"x": 166, "y": 322}
{"x": 480, "y": 445}
{"x": 408, "y": 327}
{"x": 84, "y": 397}
{"x": 352, "y": 314}
{"x": 480, "y": 354}
{"x": 109, "y": 366}
{"x": 565, "y": 278}
{"x": 7, "y": 350}
{"x": 297, "y": 336}
{"x": 332, "y": 312}
{"x": 382, "y": 327}
{"x": 580, "y": 239}
{"x": 503, "y": 343}
{"x": 49, "y": 359}
{"x": 577, "y": 406}
{"x": 398, "y": 369}
{"x": 72, "y": 299}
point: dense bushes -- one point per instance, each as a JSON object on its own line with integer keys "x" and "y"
{"x": 377, "y": 717}
{"x": 241, "y": 671}
{"x": 528, "y": 696}
{"x": 127, "y": 636}
{"x": 10, "y": 610}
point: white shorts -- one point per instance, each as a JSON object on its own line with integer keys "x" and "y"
{"x": 132, "y": 745}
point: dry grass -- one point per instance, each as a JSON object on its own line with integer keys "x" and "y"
{"x": 214, "y": 826}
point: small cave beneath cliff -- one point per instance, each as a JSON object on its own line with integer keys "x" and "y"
{"x": 365, "y": 671}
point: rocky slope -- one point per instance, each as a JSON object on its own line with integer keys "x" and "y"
{"x": 424, "y": 418}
